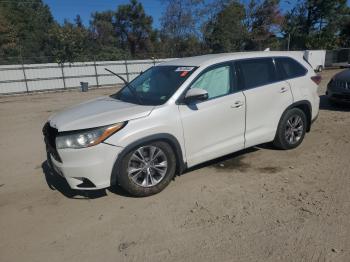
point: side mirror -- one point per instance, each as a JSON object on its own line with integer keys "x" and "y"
{"x": 196, "y": 94}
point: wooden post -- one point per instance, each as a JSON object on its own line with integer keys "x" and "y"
{"x": 63, "y": 78}
{"x": 126, "y": 70}
{"x": 96, "y": 75}
{"x": 24, "y": 75}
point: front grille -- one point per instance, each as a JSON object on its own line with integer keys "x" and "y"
{"x": 341, "y": 84}
{"x": 50, "y": 133}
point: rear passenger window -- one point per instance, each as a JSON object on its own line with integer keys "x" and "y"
{"x": 289, "y": 68}
{"x": 257, "y": 72}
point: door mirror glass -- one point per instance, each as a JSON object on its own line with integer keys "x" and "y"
{"x": 196, "y": 94}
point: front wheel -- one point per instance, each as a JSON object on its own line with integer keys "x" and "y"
{"x": 291, "y": 129}
{"x": 147, "y": 169}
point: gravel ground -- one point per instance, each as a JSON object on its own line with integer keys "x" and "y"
{"x": 260, "y": 204}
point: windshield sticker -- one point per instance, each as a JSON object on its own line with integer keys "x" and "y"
{"x": 184, "y": 69}
{"x": 184, "y": 73}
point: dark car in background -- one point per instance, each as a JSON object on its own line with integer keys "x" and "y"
{"x": 338, "y": 89}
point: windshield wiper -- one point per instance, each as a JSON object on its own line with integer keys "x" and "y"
{"x": 127, "y": 84}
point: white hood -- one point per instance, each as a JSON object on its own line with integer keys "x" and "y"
{"x": 98, "y": 112}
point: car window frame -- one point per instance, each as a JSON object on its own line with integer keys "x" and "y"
{"x": 284, "y": 72}
{"x": 241, "y": 82}
{"x": 233, "y": 81}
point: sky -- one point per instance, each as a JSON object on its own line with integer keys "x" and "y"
{"x": 68, "y": 9}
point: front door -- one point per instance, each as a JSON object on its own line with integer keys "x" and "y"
{"x": 214, "y": 127}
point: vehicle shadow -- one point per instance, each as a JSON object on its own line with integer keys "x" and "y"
{"x": 56, "y": 182}
{"x": 232, "y": 161}
{"x": 325, "y": 104}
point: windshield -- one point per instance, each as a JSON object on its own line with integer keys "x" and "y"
{"x": 155, "y": 86}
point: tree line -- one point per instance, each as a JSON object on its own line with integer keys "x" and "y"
{"x": 29, "y": 32}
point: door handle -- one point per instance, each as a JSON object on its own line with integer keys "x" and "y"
{"x": 283, "y": 89}
{"x": 237, "y": 104}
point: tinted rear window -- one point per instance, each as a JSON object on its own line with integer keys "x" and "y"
{"x": 257, "y": 72}
{"x": 289, "y": 68}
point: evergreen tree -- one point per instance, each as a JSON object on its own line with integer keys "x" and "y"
{"x": 30, "y": 23}
{"x": 69, "y": 42}
{"x": 8, "y": 41}
{"x": 134, "y": 28}
{"x": 227, "y": 32}
{"x": 263, "y": 20}
{"x": 316, "y": 24}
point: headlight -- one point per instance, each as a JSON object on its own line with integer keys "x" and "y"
{"x": 87, "y": 137}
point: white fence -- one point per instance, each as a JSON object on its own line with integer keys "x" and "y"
{"x": 38, "y": 77}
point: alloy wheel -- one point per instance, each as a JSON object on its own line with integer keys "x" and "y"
{"x": 147, "y": 166}
{"x": 294, "y": 129}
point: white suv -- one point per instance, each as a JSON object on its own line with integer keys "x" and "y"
{"x": 179, "y": 114}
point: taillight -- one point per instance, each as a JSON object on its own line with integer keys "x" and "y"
{"x": 317, "y": 79}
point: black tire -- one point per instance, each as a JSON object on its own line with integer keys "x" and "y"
{"x": 126, "y": 182}
{"x": 281, "y": 141}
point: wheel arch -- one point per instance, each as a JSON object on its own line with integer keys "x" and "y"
{"x": 304, "y": 106}
{"x": 165, "y": 137}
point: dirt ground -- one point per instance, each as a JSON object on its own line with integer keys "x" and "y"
{"x": 260, "y": 204}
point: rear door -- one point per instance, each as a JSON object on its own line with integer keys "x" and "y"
{"x": 302, "y": 86}
{"x": 293, "y": 72}
{"x": 267, "y": 98}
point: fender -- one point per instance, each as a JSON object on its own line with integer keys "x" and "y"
{"x": 304, "y": 105}
{"x": 181, "y": 165}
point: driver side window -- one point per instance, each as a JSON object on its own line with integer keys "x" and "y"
{"x": 215, "y": 81}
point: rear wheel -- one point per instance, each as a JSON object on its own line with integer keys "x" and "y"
{"x": 147, "y": 169}
{"x": 291, "y": 129}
